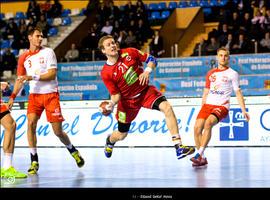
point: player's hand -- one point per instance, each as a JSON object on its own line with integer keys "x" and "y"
{"x": 10, "y": 103}
{"x": 110, "y": 106}
{"x": 246, "y": 115}
{"x": 144, "y": 78}
{"x": 23, "y": 79}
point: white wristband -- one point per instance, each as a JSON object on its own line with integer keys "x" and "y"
{"x": 148, "y": 69}
{"x": 36, "y": 77}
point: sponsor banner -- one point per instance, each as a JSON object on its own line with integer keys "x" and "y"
{"x": 83, "y": 90}
{"x": 87, "y": 127}
{"x": 199, "y": 66}
{"x": 176, "y": 67}
{"x": 79, "y": 71}
{"x": 251, "y": 64}
{"x": 198, "y": 83}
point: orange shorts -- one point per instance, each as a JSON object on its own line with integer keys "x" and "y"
{"x": 50, "y": 102}
{"x": 219, "y": 111}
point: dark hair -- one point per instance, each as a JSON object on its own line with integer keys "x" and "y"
{"x": 31, "y": 31}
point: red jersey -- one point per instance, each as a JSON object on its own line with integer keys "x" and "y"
{"x": 123, "y": 76}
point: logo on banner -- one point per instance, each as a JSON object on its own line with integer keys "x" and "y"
{"x": 234, "y": 127}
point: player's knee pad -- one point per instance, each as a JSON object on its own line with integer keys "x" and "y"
{"x": 158, "y": 101}
{"x": 123, "y": 127}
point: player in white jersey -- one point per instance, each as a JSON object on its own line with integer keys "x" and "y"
{"x": 38, "y": 65}
{"x": 220, "y": 82}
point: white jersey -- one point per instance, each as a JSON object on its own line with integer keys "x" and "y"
{"x": 38, "y": 63}
{"x": 220, "y": 84}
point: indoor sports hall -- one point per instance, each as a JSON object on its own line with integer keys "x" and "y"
{"x": 184, "y": 37}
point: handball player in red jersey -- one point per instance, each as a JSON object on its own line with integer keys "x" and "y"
{"x": 128, "y": 84}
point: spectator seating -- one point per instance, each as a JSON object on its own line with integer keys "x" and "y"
{"x": 20, "y": 15}
{"x": 52, "y": 32}
{"x": 66, "y": 21}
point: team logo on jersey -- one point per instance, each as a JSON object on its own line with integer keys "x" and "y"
{"x": 128, "y": 58}
{"x": 225, "y": 79}
{"x": 122, "y": 117}
{"x": 234, "y": 127}
{"x": 41, "y": 60}
{"x": 212, "y": 78}
{"x": 130, "y": 76}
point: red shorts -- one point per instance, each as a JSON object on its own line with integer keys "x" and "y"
{"x": 219, "y": 111}
{"x": 50, "y": 102}
{"x": 128, "y": 109}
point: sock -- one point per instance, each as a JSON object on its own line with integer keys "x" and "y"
{"x": 71, "y": 148}
{"x": 108, "y": 141}
{"x": 34, "y": 157}
{"x": 176, "y": 140}
{"x": 7, "y": 160}
{"x": 33, "y": 150}
{"x": 201, "y": 150}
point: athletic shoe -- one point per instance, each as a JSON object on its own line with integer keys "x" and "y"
{"x": 202, "y": 163}
{"x": 182, "y": 151}
{"x": 79, "y": 160}
{"x": 198, "y": 160}
{"x": 33, "y": 168}
{"x": 12, "y": 173}
{"x": 108, "y": 150}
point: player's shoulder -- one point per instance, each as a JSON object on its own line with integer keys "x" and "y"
{"x": 47, "y": 49}
{"x": 24, "y": 55}
{"x": 105, "y": 68}
{"x": 211, "y": 71}
{"x": 232, "y": 71}
{"x": 128, "y": 50}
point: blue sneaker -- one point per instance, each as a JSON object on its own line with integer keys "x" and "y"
{"x": 182, "y": 151}
{"x": 108, "y": 150}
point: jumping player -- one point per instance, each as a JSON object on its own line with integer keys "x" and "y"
{"x": 128, "y": 85}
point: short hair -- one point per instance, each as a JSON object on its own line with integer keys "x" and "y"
{"x": 223, "y": 49}
{"x": 31, "y": 31}
{"x": 102, "y": 39}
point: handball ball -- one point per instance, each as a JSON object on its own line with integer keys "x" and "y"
{"x": 102, "y": 108}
